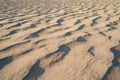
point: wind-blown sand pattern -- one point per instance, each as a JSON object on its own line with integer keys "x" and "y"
{"x": 59, "y": 39}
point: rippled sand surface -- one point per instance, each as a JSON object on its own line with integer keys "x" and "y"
{"x": 59, "y": 39}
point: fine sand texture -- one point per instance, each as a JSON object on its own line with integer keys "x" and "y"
{"x": 59, "y": 39}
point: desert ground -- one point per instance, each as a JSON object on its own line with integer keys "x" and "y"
{"x": 59, "y": 39}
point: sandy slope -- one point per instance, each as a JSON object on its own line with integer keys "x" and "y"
{"x": 59, "y": 39}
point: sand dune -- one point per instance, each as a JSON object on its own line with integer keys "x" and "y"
{"x": 59, "y": 40}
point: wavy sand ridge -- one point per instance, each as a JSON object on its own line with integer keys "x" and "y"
{"x": 60, "y": 40}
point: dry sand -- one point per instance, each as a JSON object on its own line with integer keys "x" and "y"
{"x": 59, "y": 39}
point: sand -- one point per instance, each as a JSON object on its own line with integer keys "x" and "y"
{"x": 59, "y": 39}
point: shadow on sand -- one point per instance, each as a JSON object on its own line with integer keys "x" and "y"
{"x": 115, "y": 62}
{"x": 35, "y": 72}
